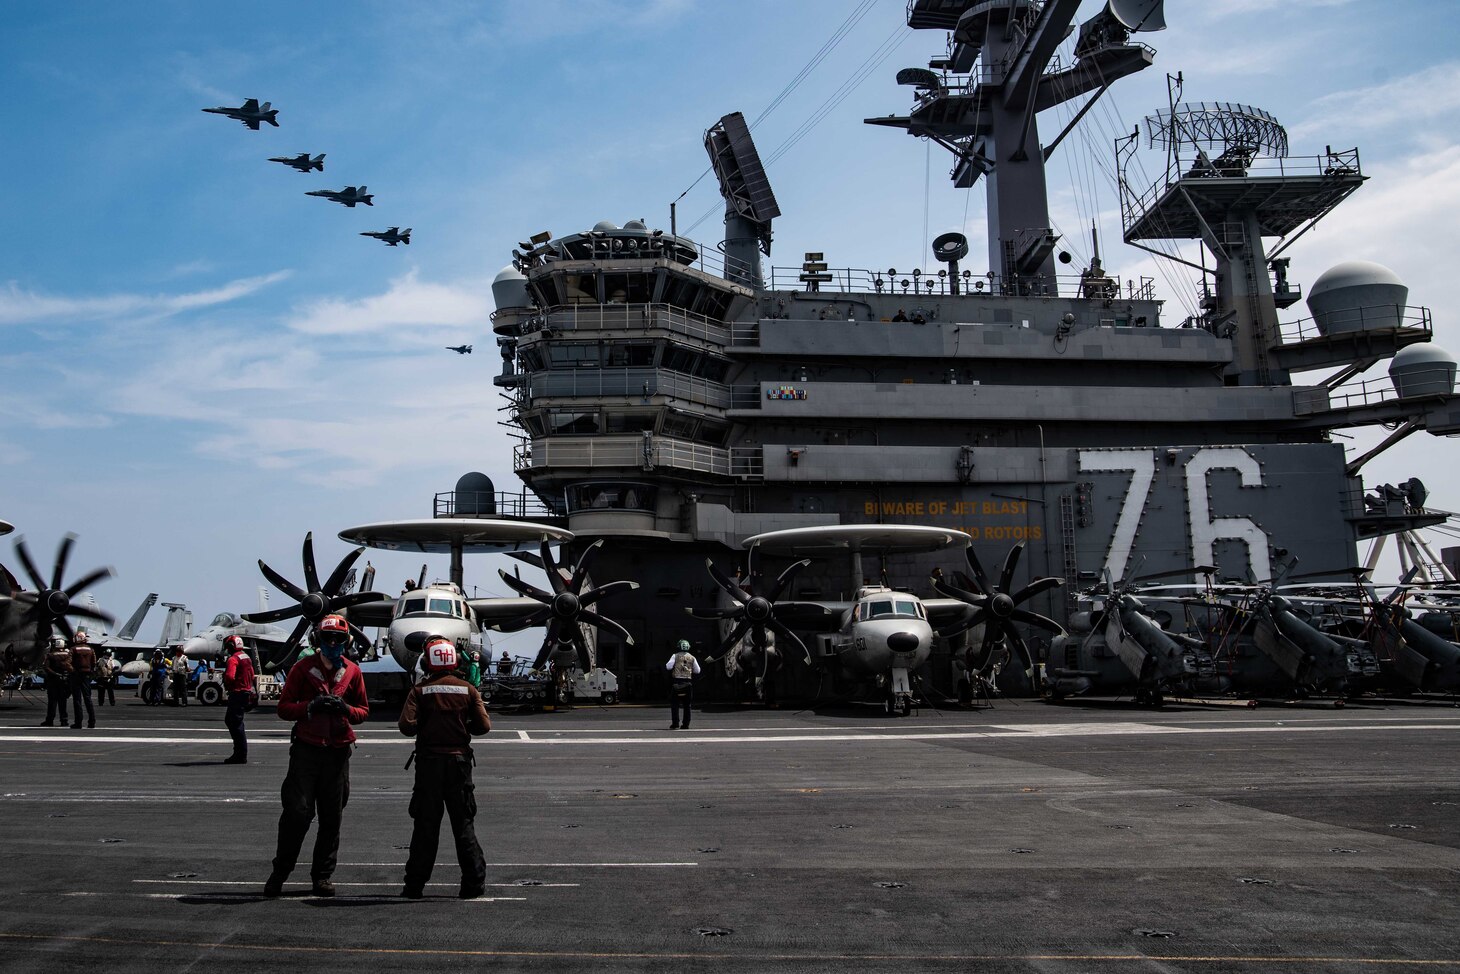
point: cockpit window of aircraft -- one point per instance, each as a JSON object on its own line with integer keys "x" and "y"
{"x": 415, "y": 605}
{"x": 879, "y": 610}
{"x": 443, "y": 606}
{"x": 225, "y": 619}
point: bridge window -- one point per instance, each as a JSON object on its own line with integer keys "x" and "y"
{"x": 582, "y": 423}
{"x": 612, "y": 496}
{"x": 573, "y": 355}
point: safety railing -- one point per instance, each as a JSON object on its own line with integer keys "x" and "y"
{"x": 1355, "y": 320}
{"x": 918, "y": 283}
{"x": 488, "y": 504}
{"x": 644, "y": 452}
{"x": 628, "y": 317}
{"x": 1418, "y": 382}
{"x": 638, "y": 384}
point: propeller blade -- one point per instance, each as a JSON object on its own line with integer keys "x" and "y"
{"x": 585, "y": 660}
{"x": 283, "y": 584}
{"x": 979, "y": 578}
{"x": 736, "y": 634}
{"x": 991, "y": 637}
{"x": 1011, "y": 561}
{"x": 35, "y": 576}
{"x": 1038, "y": 621}
{"x": 580, "y": 570}
{"x": 962, "y": 595}
{"x": 273, "y": 615}
{"x": 729, "y": 586}
{"x": 974, "y": 618}
{"x": 1019, "y": 647}
{"x": 594, "y": 594}
{"x": 87, "y": 612}
{"x": 524, "y": 588}
{"x": 555, "y": 581}
{"x": 290, "y": 649}
{"x": 311, "y": 574}
{"x": 1035, "y": 587}
{"x": 63, "y": 554}
{"x": 332, "y": 584}
{"x": 88, "y": 580}
{"x": 786, "y": 578}
{"x": 361, "y": 640}
{"x": 781, "y": 630}
{"x": 421, "y": 579}
{"x": 65, "y": 627}
{"x": 731, "y": 613}
{"x": 603, "y": 622}
{"x": 356, "y": 598}
{"x": 544, "y": 651}
{"x": 535, "y": 618}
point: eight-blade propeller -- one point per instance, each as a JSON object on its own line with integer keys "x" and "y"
{"x": 565, "y": 609}
{"x": 313, "y": 602}
{"x": 49, "y": 605}
{"x": 997, "y": 610}
{"x": 754, "y": 615}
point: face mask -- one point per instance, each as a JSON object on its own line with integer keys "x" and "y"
{"x": 333, "y": 653}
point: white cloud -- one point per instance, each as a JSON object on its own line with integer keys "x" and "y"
{"x": 18, "y": 306}
{"x": 1225, "y": 8}
{"x": 408, "y": 305}
{"x": 1378, "y": 106}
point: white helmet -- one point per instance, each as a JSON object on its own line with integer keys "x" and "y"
{"x": 58, "y": 642}
{"x": 439, "y": 656}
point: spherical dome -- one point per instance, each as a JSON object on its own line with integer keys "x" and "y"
{"x": 1425, "y": 369}
{"x": 1357, "y": 295}
{"x": 635, "y": 225}
{"x": 509, "y": 289}
{"x": 475, "y": 495}
{"x": 608, "y": 226}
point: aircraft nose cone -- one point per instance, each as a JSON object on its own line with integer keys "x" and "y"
{"x": 902, "y": 642}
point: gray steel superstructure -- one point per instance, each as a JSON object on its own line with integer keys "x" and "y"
{"x": 677, "y": 400}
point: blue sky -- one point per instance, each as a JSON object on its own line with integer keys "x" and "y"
{"x": 198, "y": 363}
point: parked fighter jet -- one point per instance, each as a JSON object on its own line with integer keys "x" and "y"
{"x": 393, "y": 236}
{"x": 301, "y": 162}
{"x": 250, "y": 113}
{"x": 349, "y": 196}
{"x": 459, "y": 349}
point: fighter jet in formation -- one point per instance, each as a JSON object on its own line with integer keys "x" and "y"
{"x": 349, "y": 196}
{"x": 301, "y": 162}
{"x": 459, "y": 349}
{"x": 393, "y": 236}
{"x": 250, "y": 113}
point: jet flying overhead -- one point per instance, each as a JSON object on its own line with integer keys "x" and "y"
{"x": 393, "y": 236}
{"x": 301, "y": 162}
{"x": 250, "y": 113}
{"x": 349, "y": 196}
{"x": 459, "y": 349}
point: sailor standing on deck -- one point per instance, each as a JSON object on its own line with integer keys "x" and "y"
{"x": 443, "y": 713}
{"x": 57, "y": 669}
{"x": 238, "y": 682}
{"x": 83, "y": 663}
{"x": 106, "y": 678}
{"x": 324, "y": 694}
{"x": 683, "y": 668}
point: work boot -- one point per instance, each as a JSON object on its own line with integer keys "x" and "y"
{"x": 235, "y": 759}
{"x": 90, "y": 724}
{"x": 275, "y": 885}
{"x": 412, "y": 892}
{"x": 674, "y": 727}
{"x": 75, "y": 726}
{"x": 323, "y": 887}
{"x": 470, "y": 892}
{"x": 48, "y": 723}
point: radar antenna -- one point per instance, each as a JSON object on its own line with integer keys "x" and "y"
{"x": 750, "y": 206}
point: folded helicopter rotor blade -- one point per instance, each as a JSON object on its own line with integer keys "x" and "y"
{"x": 273, "y": 615}
{"x": 311, "y": 574}
{"x": 87, "y": 580}
{"x": 611, "y": 588}
{"x": 980, "y": 580}
{"x": 1035, "y": 587}
{"x": 1403, "y": 584}
{"x": 787, "y": 577}
{"x": 63, "y": 554}
{"x": 524, "y": 588}
{"x": 603, "y": 622}
{"x": 734, "y": 590}
{"x": 35, "y": 576}
{"x": 283, "y": 584}
{"x": 1038, "y": 621}
{"x": 555, "y": 580}
{"x": 784, "y": 632}
{"x": 1206, "y": 570}
{"x": 332, "y": 584}
{"x": 1011, "y": 562}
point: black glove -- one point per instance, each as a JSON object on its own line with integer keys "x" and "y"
{"x": 327, "y": 703}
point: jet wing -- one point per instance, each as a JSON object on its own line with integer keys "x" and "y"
{"x": 252, "y": 123}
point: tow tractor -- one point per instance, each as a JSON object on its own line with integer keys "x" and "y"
{"x": 209, "y": 690}
{"x": 523, "y": 687}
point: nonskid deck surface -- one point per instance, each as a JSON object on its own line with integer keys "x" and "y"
{"x": 1022, "y": 837}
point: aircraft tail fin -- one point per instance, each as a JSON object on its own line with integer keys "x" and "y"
{"x": 317, "y": 162}
{"x": 130, "y": 627}
{"x": 178, "y": 625}
{"x": 405, "y": 237}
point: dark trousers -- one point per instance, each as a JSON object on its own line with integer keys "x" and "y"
{"x": 106, "y": 691}
{"x": 443, "y": 781}
{"x": 57, "y": 693}
{"x": 180, "y": 690}
{"x": 233, "y": 720}
{"x": 318, "y": 780}
{"x": 681, "y": 694}
{"x": 81, "y": 693}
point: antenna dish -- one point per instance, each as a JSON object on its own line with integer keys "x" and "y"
{"x": 1138, "y": 15}
{"x": 949, "y": 247}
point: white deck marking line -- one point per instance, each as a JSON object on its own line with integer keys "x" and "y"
{"x": 548, "y": 865}
{"x": 392, "y": 883}
{"x": 522, "y": 736}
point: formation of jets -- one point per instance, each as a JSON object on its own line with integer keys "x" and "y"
{"x": 251, "y": 113}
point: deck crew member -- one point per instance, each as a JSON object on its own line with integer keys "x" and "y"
{"x": 106, "y": 678}
{"x": 443, "y": 713}
{"x": 504, "y": 665}
{"x": 83, "y": 664}
{"x": 324, "y": 695}
{"x": 180, "y": 674}
{"x": 57, "y": 670}
{"x": 238, "y": 682}
{"x": 683, "y": 668}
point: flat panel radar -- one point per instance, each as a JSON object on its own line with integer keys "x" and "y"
{"x": 750, "y": 206}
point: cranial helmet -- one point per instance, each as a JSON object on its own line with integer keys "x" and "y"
{"x": 58, "y": 642}
{"x": 82, "y": 637}
{"x": 232, "y": 644}
{"x": 439, "y": 656}
{"x": 684, "y": 645}
{"x": 333, "y": 630}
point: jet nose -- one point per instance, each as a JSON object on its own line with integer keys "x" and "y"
{"x": 902, "y": 642}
